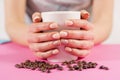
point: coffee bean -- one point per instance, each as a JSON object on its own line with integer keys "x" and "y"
{"x": 84, "y": 66}
{"x": 71, "y": 69}
{"x": 47, "y": 67}
{"x": 80, "y": 69}
{"x": 56, "y": 65}
{"x": 72, "y": 62}
{"x": 103, "y": 67}
{"x": 60, "y": 68}
{"x": 18, "y": 66}
{"x": 76, "y": 67}
{"x": 84, "y": 62}
{"x": 48, "y": 71}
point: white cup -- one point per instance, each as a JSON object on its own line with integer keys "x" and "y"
{"x": 60, "y": 17}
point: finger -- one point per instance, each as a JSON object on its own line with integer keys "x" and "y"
{"x": 84, "y": 14}
{"x": 83, "y": 24}
{"x": 81, "y": 44}
{"x": 77, "y": 52}
{"x": 44, "y": 46}
{"x": 36, "y": 17}
{"x": 77, "y": 34}
{"x": 43, "y": 37}
{"x": 44, "y": 26}
{"x": 44, "y": 55}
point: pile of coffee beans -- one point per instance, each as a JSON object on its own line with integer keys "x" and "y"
{"x": 72, "y": 65}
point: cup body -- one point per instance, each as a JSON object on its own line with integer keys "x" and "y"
{"x": 60, "y": 17}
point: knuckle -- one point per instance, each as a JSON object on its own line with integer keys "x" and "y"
{"x": 37, "y": 38}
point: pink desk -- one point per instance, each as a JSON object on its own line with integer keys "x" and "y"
{"x": 10, "y": 54}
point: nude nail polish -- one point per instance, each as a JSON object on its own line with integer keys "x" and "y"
{"x": 53, "y": 25}
{"x": 63, "y": 34}
{"x": 56, "y": 36}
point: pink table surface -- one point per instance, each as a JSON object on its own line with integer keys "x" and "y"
{"x": 108, "y": 55}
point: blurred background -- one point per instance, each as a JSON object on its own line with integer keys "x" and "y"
{"x": 113, "y": 39}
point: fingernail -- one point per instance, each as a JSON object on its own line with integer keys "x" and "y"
{"x": 56, "y": 43}
{"x": 85, "y": 15}
{"x": 64, "y": 41}
{"x": 36, "y": 19}
{"x": 68, "y": 22}
{"x": 56, "y": 36}
{"x": 63, "y": 34}
{"x": 68, "y": 49}
{"x": 53, "y": 25}
{"x": 55, "y": 51}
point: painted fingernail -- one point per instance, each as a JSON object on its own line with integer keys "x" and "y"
{"x": 64, "y": 41}
{"x": 56, "y": 36}
{"x": 63, "y": 34}
{"x": 53, "y": 25}
{"x": 68, "y": 49}
{"x": 55, "y": 51}
{"x": 36, "y": 19}
{"x": 84, "y": 14}
{"x": 56, "y": 43}
{"x": 68, "y": 22}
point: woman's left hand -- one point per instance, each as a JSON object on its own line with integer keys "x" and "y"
{"x": 78, "y": 42}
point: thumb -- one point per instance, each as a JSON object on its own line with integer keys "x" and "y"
{"x": 36, "y": 17}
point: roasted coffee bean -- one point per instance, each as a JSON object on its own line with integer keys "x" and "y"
{"x": 80, "y": 69}
{"x": 60, "y": 68}
{"x": 76, "y": 67}
{"x": 56, "y": 66}
{"x": 103, "y": 67}
{"x": 84, "y": 66}
{"x": 72, "y": 62}
{"x": 71, "y": 69}
{"x": 65, "y": 63}
{"x": 27, "y": 61}
{"x": 94, "y": 65}
{"x": 48, "y": 71}
{"x": 84, "y": 62}
{"x": 47, "y": 67}
{"x": 18, "y": 66}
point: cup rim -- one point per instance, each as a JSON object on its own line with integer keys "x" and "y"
{"x": 59, "y": 12}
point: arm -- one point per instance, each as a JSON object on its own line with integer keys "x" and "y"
{"x": 102, "y": 19}
{"x": 31, "y": 36}
{"x": 15, "y": 24}
{"x": 80, "y": 42}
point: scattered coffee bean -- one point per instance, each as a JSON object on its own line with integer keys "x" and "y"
{"x": 60, "y": 68}
{"x": 76, "y": 67}
{"x": 103, "y": 67}
{"x": 48, "y": 71}
{"x": 18, "y": 66}
{"x": 47, "y": 67}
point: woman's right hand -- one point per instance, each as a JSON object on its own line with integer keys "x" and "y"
{"x": 42, "y": 43}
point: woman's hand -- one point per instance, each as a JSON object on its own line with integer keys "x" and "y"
{"x": 78, "y": 42}
{"x": 43, "y": 44}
